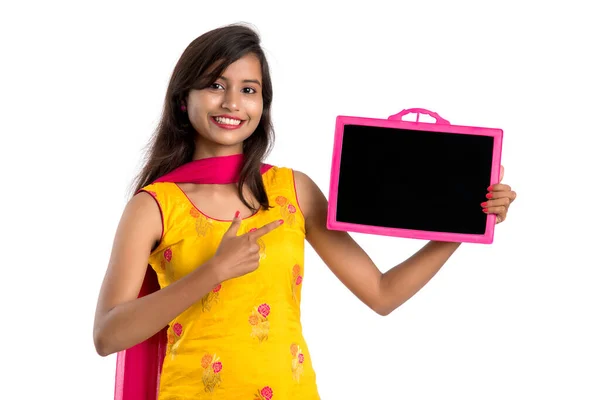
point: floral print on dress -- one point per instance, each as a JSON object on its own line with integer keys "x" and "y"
{"x": 165, "y": 264}
{"x": 266, "y": 393}
{"x": 296, "y": 282}
{"x": 259, "y": 322}
{"x": 210, "y": 298}
{"x": 211, "y": 377}
{"x": 203, "y": 225}
{"x": 287, "y": 209}
{"x": 173, "y": 338}
{"x": 297, "y": 361}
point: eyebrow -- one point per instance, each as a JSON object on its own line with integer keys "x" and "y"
{"x": 245, "y": 80}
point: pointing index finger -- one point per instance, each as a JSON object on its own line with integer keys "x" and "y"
{"x": 265, "y": 229}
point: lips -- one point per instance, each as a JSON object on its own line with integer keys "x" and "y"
{"x": 227, "y": 122}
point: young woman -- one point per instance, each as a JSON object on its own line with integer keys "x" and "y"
{"x": 224, "y": 234}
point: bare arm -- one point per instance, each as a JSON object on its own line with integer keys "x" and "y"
{"x": 122, "y": 320}
{"x": 348, "y": 261}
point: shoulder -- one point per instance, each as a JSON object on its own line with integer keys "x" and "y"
{"x": 307, "y": 192}
{"x": 278, "y": 178}
{"x": 280, "y": 172}
{"x": 305, "y": 187}
{"x": 141, "y": 218}
{"x": 163, "y": 193}
{"x": 298, "y": 179}
{"x": 304, "y": 182}
{"x": 155, "y": 189}
{"x": 145, "y": 201}
{"x": 311, "y": 199}
{"x": 153, "y": 201}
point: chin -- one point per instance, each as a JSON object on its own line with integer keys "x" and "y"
{"x": 229, "y": 138}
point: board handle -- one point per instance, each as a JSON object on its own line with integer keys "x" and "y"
{"x": 418, "y": 111}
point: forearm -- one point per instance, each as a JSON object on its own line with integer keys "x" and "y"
{"x": 404, "y": 280}
{"x": 135, "y": 321}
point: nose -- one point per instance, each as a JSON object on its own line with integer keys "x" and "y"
{"x": 231, "y": 100}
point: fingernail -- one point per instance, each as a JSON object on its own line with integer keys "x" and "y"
{"x": 484, "y": 204}
{"x": 489, "y": 195}
{"x": 237, "y": 214}
{"x": 491, "y": 187}
{"x": 485, "y": 210}
{"x": 280, "y": 222}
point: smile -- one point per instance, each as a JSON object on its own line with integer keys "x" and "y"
{"x": 227, "y": 122}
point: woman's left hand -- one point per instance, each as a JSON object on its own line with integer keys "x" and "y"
{"x": 499, "y": 199}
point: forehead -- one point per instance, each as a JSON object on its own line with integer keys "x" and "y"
{"x": 247, "y": 67}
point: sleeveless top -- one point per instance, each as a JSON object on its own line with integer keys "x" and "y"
{"x": 243, "y": 339}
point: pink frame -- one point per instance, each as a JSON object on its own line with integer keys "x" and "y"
{"x": 395, "y": 121}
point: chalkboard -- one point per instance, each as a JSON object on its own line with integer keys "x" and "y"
{"x": 413, "y": 179}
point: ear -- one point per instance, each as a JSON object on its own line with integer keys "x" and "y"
{"x": 501, "y": 173}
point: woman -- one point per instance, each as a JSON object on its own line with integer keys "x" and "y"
{"x": 224, "y": 234}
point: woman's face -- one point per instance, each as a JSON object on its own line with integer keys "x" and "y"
{"x": 227, "y": 113}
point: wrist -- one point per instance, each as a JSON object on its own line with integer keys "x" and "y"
{"x": 213, "y": 272}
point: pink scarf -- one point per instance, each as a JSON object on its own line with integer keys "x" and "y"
{"x": 139, "y": 367}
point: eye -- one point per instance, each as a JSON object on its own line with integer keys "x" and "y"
{"x": 216, "y": 86}
{"x": 249, "y": 90}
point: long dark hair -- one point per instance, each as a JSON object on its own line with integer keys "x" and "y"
{"x": 200, "y": 65}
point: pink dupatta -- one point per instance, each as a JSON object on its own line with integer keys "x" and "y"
{"x": 139, "y": 367}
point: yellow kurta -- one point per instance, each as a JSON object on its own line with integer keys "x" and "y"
{"x": 244, "y": 339}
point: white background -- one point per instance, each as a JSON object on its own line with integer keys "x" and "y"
{"x": 82, "y": 86}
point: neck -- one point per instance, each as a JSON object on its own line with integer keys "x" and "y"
{"x": 206, "y": 150}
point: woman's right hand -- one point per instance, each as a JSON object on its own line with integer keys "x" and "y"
{"x": 239, "y": 255}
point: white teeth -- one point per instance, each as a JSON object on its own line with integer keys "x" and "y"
{"x": 227, "y": 121}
